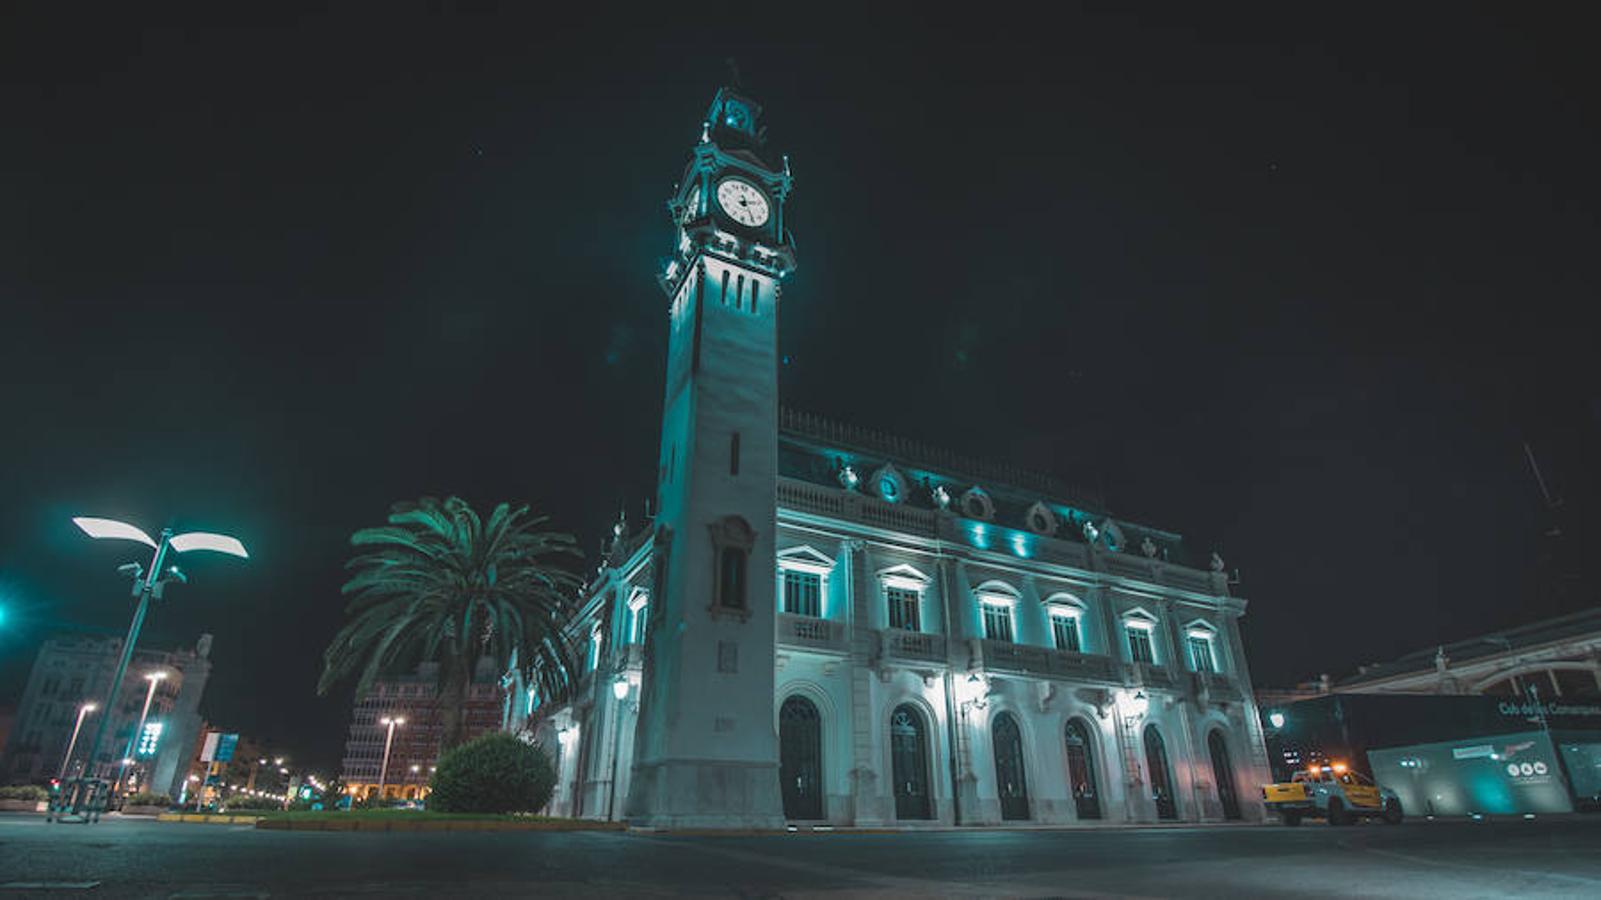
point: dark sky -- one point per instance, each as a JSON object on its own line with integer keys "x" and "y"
{"x": 1296, "y": 283}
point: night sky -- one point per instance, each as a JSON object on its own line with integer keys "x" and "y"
{"x": 1298, "y": 288}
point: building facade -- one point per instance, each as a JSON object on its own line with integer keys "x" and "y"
{"x": 414, "y": 750}
{"x": 75, "y": 669}
{"x": 827, "y": 625}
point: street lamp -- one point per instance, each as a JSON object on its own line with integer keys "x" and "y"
{"x": 155, "y": 678}
{"x": 83, "y": 710}
{"x": 383, "y": 770}
{"x": 146, "y": 584}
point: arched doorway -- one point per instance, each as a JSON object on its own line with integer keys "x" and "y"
{"x": 908, "y": 751}
{"x": 800, "y": 759}
{"x": 1223, "y": 774}
{"x": 1081, "y": 770}
{"x": 1161, "y": 775}
{"x": 1010, "y": 780}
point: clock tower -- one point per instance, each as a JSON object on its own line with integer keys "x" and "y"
{"x": 706, "y": 752}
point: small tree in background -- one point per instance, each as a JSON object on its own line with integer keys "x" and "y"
{"x": 494, "y": 773}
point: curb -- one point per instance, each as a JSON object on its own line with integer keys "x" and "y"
{"x": 203, "y": 819}
{"x": 277, "y": 824}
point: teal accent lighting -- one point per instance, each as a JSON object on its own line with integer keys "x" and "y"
{"x": 1022, "y": 545}
{"x": 978, "y": 534}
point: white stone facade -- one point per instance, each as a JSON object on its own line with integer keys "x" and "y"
{"x": 902, "y": 637}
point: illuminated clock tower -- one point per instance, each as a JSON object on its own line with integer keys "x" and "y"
{"x": 706, "y": 752}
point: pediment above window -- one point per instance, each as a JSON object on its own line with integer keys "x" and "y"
{"x": 904, "y": 576}
{"x": 805, "y": 557}
{"x": 1139, "y": 617}
{"x": 997, "y": 592}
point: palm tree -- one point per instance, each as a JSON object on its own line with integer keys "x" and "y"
{"x": 438, "y": 583}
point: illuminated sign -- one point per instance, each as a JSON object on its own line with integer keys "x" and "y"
{"x": 149, "y": 738}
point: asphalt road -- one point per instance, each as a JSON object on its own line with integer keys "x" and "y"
{"x": 1540, "y": 858}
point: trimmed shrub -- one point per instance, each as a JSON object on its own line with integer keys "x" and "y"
{"x": 145, "y": 798}
{"x": 252, "y": 803}
{"x": 24, "y": 792}
{"x": 493, "y": 773}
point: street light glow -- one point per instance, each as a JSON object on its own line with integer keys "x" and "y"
{"x": 205, "y": 540}
{"x": 111, "y": 528}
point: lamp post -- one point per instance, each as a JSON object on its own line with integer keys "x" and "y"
{"x": 83, "y": 710}
{"x": 146, "y": 584}
{"x": 154, "y": 678}
{"x": 383, "y": 770}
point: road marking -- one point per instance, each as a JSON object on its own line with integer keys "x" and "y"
{"x": 49, "y": 885}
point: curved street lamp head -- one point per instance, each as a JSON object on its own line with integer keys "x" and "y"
{"x": 205, "y": 540}
{"x": 112, "y": 529}
{"x": 158, "y": 675}
{"x": 89, "y": 707}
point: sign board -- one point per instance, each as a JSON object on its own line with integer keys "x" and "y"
{"x": 1518, "y": 774}
{"x": 208, "y": 750}
{"x": 225, "y": 747}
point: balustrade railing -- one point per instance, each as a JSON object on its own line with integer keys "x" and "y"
{"x": 914, "y": 645}
{"x": 806, "y": 631}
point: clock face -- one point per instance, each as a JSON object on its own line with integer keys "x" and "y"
{"x": 691, "y": 206}
{"x": 737, "y": 116}
{"x": 742, "y": 201}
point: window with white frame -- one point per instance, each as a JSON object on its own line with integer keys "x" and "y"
{"x": 1064, "y": 628}
{"x": 803, "y": 593}
{"x": 803, "y": 581}
{"x": 997, "y": 617}
{"x": 594, "y": 649}
{"x": 638, "y": 607}
{"x": 1140, "y": 630}
{"x": 905, "y": 607}
{"x": 1203, "y": 657}
{"x": 903, "y": 596}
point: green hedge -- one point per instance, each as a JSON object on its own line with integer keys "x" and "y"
{"x": 251, "y": 803}
{"x": 493, "y": 773}
{"x": 144, "y": 798}
{"x": 24, "y": 792}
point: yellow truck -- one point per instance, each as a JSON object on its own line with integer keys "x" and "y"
{"x": 1331, "y": 792}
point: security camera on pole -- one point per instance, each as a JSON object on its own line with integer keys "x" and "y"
{"x": 86, "y": 795}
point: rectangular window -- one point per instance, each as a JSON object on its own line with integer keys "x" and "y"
{"x": 1139, "y": 645}
{"x": 905, "y": 605}
{"x": 1064, "y": 630}
{"x": 733, "y": 454}
{"x": 803, "y": 593}
{"x": 998, "y": 621}
{"x": 1201, "y": 654}
{"x": 636, "y": 619}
